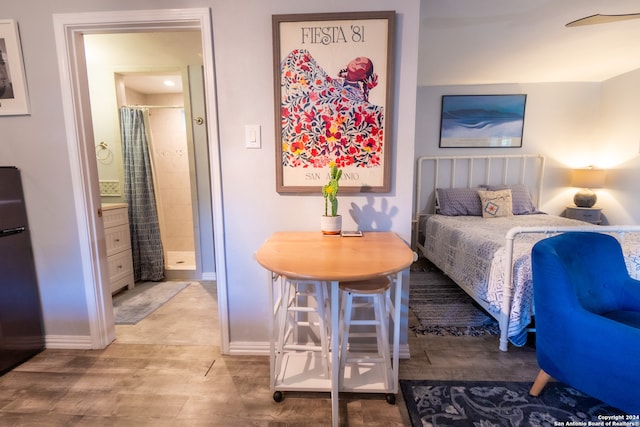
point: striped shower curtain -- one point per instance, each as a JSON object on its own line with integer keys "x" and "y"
{"x": 148, "y": 261}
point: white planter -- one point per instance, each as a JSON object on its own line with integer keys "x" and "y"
{"x": 331, "y": 225}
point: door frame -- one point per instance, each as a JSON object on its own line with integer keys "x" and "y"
{"x": 69, "y": 30}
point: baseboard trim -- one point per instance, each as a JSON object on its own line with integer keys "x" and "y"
{"x": 246, "y": 348}
{"x": 209, "y": 275}
{"x": 68, "y": 342}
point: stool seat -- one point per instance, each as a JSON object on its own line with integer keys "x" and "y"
{"x": 369, "y": 286}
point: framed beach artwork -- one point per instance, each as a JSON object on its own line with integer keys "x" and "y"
{"x": 13, "y": 87}
{"x": 333, "y": 75}
{"x": 482, "y": 120}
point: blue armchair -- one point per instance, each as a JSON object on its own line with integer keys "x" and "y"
{"x": 587, "y": 314}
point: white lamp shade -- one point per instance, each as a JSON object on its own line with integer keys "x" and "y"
{"x": 588, "y": 178}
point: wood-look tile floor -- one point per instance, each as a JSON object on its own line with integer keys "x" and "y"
{"x": 168, "y": 371}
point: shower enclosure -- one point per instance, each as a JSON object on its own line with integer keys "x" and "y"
{"x": 170, "y": 152}
{"x": 170, "y": 158}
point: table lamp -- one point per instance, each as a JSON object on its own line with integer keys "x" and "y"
{"x": 587, "y": 179}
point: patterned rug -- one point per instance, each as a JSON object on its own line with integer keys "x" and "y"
{"x": 132, "y": 305}
{"x": 462, "y": 403}
{"x": 443, "y": 308}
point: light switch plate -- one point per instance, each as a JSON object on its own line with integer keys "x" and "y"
{"x": 252, "y": 137}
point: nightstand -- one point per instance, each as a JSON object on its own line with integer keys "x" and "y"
{"x": 591, "y": 215}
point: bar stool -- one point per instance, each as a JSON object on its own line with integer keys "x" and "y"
{"x": 366, "y": 294}
{"x": 304, "y": 304}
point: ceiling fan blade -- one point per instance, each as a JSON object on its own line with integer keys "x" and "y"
{"x": 602, "y": 19}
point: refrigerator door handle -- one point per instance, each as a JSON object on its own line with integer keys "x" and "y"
{"x": 11, "y": 231}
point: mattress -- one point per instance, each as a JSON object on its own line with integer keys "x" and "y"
{"x": 471, "y": 250}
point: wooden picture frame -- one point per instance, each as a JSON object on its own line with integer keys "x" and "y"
{"x": 13, "y": 83}
{"x": 470, "y": 121}
{"x": 333, "y": 80}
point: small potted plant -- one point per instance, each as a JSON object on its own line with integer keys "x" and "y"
{"x": 331, "y": 222}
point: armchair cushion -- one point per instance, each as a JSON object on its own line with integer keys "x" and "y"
{"x": 587, "y": 311}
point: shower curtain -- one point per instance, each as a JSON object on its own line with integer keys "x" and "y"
{"x": 148, "y": 260}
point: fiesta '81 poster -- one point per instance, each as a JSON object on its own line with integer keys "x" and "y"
{"x": 333, "y": 92}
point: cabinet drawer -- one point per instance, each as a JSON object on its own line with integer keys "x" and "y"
{"x": 113, "y": 217}
{"x": 120, "y": 265}
{"x": 584, "y": 214}
{"x": 117, "y": 239}
{"x": 589, "y": 215}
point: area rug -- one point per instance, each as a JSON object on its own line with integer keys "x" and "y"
{"x": 462, "y": 403}
{"x": 133, "y": 305}
{"x": 442, "y": 307}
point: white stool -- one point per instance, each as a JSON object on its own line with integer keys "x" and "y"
{"x": 304, "y": 303}
{"x": 370, "y": 294}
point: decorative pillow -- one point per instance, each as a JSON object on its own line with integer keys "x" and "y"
{"x": 459, "y": 201}
{"x": 496, "y": 203}
{"x": 522, "y": 202}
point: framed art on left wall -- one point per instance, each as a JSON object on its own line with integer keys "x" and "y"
{"x": 333, "y": 77}
{"x": 13, "y": 85}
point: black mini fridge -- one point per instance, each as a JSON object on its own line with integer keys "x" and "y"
{"x": 21, "y": 328}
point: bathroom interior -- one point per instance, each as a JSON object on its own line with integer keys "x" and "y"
{"x": 156, "y": 72}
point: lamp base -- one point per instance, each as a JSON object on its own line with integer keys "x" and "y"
{"x": 585, "y": 198}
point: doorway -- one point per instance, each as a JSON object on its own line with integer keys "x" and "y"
{"x": 125, "y": 70}
{"x": 70, "y": 31}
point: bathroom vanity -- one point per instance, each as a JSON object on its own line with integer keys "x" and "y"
{"x": 119, "y": 257}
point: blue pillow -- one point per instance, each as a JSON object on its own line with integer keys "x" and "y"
{"x": 459, "y": 201}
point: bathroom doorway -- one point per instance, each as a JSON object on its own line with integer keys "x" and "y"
{"x": 168, "y": 88}
{"x": 70, "y": 30}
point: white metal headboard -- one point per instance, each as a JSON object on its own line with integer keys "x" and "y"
{"x": 470, "y": 171}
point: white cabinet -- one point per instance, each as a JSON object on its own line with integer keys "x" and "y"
{"x": 119, "y": 259}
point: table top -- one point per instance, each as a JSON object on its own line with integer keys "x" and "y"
{"x": 310, "y": 255}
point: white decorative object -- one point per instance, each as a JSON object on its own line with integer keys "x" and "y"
{"x": 331, "y": 225}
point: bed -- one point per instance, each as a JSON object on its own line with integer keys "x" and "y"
{"x": 481, "y": 251}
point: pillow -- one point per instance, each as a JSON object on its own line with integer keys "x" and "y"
{"x": 459, "y": 201}
{"x": 496, "y": 203}
{"x": 522, "y": 203}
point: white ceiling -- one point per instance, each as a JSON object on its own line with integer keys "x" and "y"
{"x": 524, "y": 41}
{"x": 148, "y": 49}
{"x": 153, "y": 83}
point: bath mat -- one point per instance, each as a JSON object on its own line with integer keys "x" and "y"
{"x": 133, "y": 305}
{"x": 493, "y": 403}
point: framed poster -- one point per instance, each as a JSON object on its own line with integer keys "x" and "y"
{"x": 13, "y": 87}
{"x": 333, "y": 76}
{"x": 482, "y": 120}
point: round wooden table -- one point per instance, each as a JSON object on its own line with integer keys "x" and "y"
{"x": 313, "y": 256}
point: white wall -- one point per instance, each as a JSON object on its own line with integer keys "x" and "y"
{"x": 253, "y": 210}
{"x": 572, "y": 125}
{"x": 620, "y": 146}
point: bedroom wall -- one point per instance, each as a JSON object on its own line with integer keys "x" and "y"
{"x": 37, "y": 144}
{"x": 620, "y": 145}
{"x": 572, "y": 124}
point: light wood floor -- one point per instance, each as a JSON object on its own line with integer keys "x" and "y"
{"x": 168, "y": 371}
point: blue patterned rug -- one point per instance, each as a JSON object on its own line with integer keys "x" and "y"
{"x": 492, "y": 403}
{"x": 442, "y": 307}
